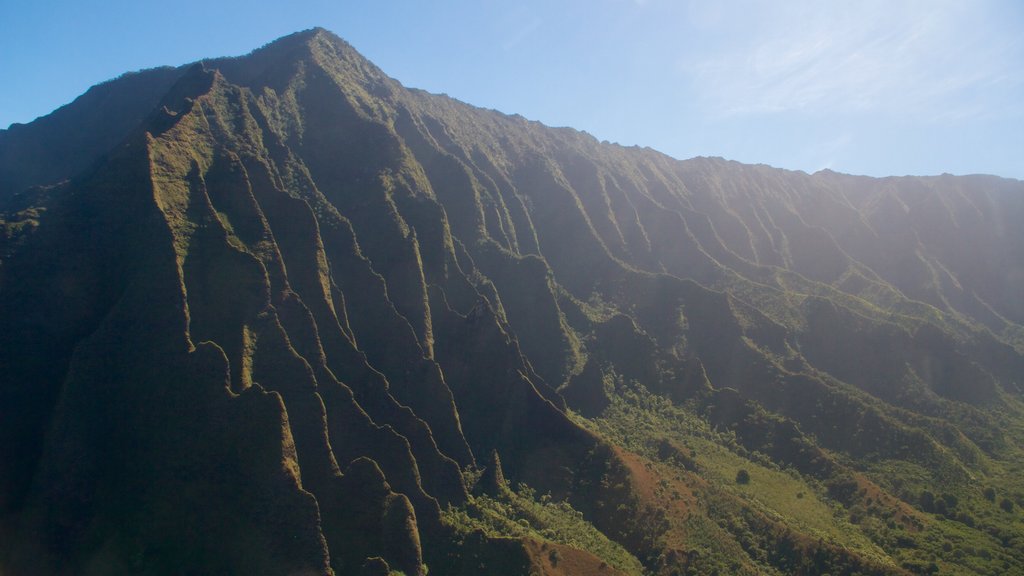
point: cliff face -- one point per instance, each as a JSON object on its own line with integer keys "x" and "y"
{"x": 274, "y": 313}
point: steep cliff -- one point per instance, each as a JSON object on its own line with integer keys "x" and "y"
{"x": 277, "y": 313}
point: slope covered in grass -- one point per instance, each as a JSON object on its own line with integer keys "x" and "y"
{"x": 273, "y": 313}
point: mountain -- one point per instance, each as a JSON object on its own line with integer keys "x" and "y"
{"x": 278, "y": 314}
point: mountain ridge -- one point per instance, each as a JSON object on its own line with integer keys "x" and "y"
{"x": 289, "y": 41}
{"x": 383, "y": 287}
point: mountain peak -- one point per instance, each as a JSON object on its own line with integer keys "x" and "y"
{"x": 303, "y": 37}
{"x": 275, "y": 63}
{"x": 281, "y": 333}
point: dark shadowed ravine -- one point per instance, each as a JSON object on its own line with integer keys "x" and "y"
{"x": 278, "y": 314}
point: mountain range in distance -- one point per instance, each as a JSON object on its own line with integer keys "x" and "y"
{"x": 279, "y": 314}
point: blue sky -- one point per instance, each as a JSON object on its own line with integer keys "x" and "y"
{"x": 868, "y": 87}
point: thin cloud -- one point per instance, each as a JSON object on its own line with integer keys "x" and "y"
{"x": 929, "y": 60}
{"x": 522, "y": 33}
{"x": 825, "y": 154}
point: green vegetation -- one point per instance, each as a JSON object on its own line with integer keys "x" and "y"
{"x": 521, "y": 513}
{"x": 965, "y": 532}
{"x": 266, "y": 314}
{"x": 642, "y": 422}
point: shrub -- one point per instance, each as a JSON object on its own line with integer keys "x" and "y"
{"x": 743, "y": 477}
{"x": 554, "y": 557}
{"x": 927, "y": 501}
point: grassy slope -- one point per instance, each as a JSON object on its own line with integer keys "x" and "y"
{"x": 370, "y": 221}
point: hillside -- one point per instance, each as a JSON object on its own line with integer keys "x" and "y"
{"x": 279, "y": 314}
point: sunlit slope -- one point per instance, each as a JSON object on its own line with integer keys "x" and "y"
{"x": 291, "y": 317}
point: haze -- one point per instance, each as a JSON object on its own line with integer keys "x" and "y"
{"x": 876, "y": 88}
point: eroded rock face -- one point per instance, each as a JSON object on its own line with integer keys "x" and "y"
{"x": 263, "y": 314}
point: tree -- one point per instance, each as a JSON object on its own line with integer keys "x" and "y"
{"x": 927, "y": 501}
{"x": 743, "y": 477}
{"x": 1006, "y": 505}
{"x": 554, "y": 557}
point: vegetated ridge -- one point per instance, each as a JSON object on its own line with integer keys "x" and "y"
{"x": 278, "y": 314}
